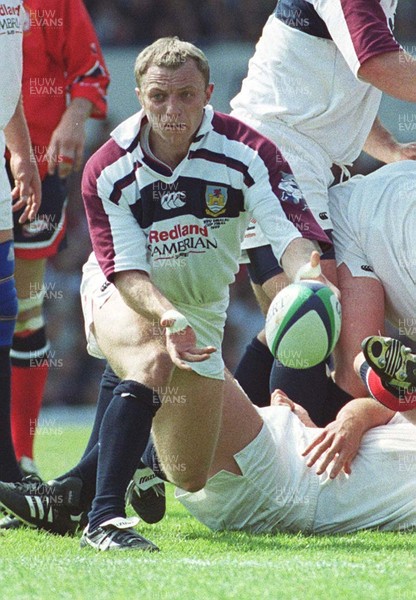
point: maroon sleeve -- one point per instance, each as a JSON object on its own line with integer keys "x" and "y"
{"x": 369, "y": 27}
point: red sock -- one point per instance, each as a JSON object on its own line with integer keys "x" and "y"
{"x": 406, "y": 401}
{"x": 28, "y": 385}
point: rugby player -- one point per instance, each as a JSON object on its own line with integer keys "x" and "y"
{"x": 314, "y": 87}
{"x": 64, "y": 83}
{"x": 168, "y": 198}
{"x": 374, "y": 221}
{"x": 26, "y": 195}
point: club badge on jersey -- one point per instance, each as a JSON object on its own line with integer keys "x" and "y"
{"x": 216, "y": 200}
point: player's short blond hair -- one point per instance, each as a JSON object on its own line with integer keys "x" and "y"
{"x": 170, "y": 52}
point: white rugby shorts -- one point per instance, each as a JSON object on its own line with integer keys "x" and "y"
{"x": 278, "y": 492}
{"x": 207, "y": 320}
{"x": 346, "y": 237}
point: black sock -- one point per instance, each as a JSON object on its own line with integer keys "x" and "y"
{"x": 307, "y": 387}
{"x": 9, "y": 468}
{"x": 123, "y": 437}
{"x": 253, "y": 372}
{"x": 109, "y": 381}
{"x": 86, "y": 470}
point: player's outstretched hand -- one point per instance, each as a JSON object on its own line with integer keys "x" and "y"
{"x": 181, "y": 344}
{"x": 338, "y": 443}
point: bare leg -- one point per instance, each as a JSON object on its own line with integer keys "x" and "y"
{"x": 186, "y": 428}
{"x": 358, "y": 322}
{"x": 134, "y": 348}
{"x": 187, "y": 425}
{"x": 240, "y": 424}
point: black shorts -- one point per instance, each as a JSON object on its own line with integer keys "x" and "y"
{"x": 263, "y": 264}
{"x": 46, "y": 235}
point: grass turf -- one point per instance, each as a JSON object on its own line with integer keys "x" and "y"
{"x": 195, "y": 563}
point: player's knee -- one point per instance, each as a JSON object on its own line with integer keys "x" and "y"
{"x": 191, "y": 482}
{"x": 183, "y": 469}
{"x": 158, "y": 365}
{"x": 151, "y": 365}
{"x": 8, "y": 296}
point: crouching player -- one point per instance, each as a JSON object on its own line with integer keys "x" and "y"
{"x": 168, "y": 198}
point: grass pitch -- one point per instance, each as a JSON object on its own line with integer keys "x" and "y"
{"x": 196, "y": 564}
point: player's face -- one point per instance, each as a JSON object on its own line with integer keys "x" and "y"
{"x": 174, "y": 101}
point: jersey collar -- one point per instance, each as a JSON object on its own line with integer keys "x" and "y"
{"x": 127, "y": 132}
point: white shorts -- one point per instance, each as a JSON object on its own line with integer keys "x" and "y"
{"x": 207, "y": 320}
{"x": 309, "y": 163}
{"x": 278, "y": 492}
{"x": 6, "y": 217}
{"x": 348, "y": 248}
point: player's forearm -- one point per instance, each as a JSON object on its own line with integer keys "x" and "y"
{"x": 296, "y": 255}
{"x": 393, "y": 73}
{"x": 366, "y": 412}
{"x": 380, "y": 143}
{"x": 79, "y": 110}
{"x": 17, "y": 133}
{"x": 141, "y": 295}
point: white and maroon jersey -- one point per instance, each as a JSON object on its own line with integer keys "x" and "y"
{"x": 304, "y": 70}
{"x": 11, "y": 39}
{"x": 184, "y": 227}
{"x": 374, "y": 235}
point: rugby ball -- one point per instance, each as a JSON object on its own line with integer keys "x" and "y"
{"x": 303, "y": 324}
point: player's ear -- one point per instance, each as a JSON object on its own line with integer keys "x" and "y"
{"x": 138, "y": 94}
{"x": 208, "y": 92}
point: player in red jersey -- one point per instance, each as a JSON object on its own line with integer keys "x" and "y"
{"x": 64, "y": 82}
